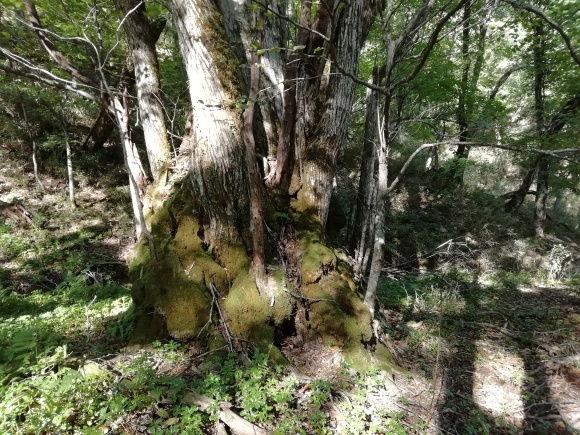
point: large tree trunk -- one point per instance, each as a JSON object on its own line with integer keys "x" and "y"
{"x": 203, "y": 282}
{"x": 325, "y": 107}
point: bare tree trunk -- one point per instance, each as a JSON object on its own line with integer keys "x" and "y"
{"x": 362, "y": 228}
{"x": 380, "y": 208}
{"x": 539, "y": 49}
{"x": 516, "y": 198}
{"x": 462, "y": 114}
{"x": 69, "y": 162}
{"x": 325, "y": 134}
{"x": 470, "y": 76}
{"x": 33, "y": 141}
{"x": 395, "y": 48}
{"x": 137, "y": 177}
{"x": 286, "y": 142}
{"x": 142, "y": 39}
{"x": 540, "y": 209}
{"x": 255, "y": 184}
{"x": 218, "y": 150}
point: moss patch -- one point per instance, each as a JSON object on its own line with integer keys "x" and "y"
{"x": 324, "y": 277}
{"x": 174, "y": 287}
{"x": 234, "y": 258}
{"x": 317, "y": 259}
{"x": 254, "y": 316}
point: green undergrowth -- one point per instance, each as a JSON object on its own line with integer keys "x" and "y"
{"x": 152, "y": 389}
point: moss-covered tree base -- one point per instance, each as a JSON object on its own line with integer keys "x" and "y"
{"x": 188, "y": 289}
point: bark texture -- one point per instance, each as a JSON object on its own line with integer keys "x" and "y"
{"x": 141, "y": 37}
{"x": 325, "y": 104}
{"x": 202, "y": 284}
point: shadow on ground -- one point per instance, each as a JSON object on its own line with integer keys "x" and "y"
{"x": 504, "y": 356}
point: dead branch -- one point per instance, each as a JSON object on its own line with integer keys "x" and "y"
{"x": 238, "y": 424}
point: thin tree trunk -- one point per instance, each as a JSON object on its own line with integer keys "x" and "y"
{"x": 255, "y": 184}
{"x": 285, "y": 151}
{"x": 69, "y": 162}
{"x": 380, "y": 208}
{"x": 540, "y": 204}
{"x": 137, "y": 177}
{"x": 142, "y": 43}
{"x": 462, "y": 115}
{"x": 33, "y": 141}
{"x": 516, "y": 199}
{"x": 540, "y": 209}
{"x": 362, "y": 230}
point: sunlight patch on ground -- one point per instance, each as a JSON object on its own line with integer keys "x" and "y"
{"x": 527, "y": 289}
{"x": 76, "y": 227}
{"x": 498, "y": 378}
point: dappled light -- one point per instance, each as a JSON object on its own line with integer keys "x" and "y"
{"x": 268, "y": 218}
{"x": 497, "y": 383}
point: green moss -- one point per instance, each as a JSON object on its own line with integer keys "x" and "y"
{"x": 343, "y": 319}
{"x": 253, "y": 316}
{"x": 283, "y": 303}
{"x": 186, "y": 308}
{"x": 317, "y": 258}
{"x": 234, "y": 258}
{"x": 246, "y": 309}
{"x": 173, "y": 288}
{"x": 364, "y": 361}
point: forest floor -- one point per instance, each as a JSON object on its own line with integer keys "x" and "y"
{"x": 486, "y": 342}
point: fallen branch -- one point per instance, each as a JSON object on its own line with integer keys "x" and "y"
{"x": 238, "y": 424}
{"x": 214, "y": 293}
{"x": 497, "y": 328}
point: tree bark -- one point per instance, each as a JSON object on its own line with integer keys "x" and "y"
{"x": 137, "y": 176}
{"x": 362, "y": 229}
{"x": 540, "y": 204}
{"x": 324, "y": 126}
{"x": 141, "y": 38}
{"x": 215, "y": 169}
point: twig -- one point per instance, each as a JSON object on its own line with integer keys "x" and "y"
{"x": 88, "y": 324}
{"x": 305, "y": 297}
{"x": 497, "y": 328}
{"x": 214, "y": 291}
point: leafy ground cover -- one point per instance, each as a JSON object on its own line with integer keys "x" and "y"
{"x": 486, "y": 335}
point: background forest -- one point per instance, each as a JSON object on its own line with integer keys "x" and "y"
{"x": 289, "y": 217}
